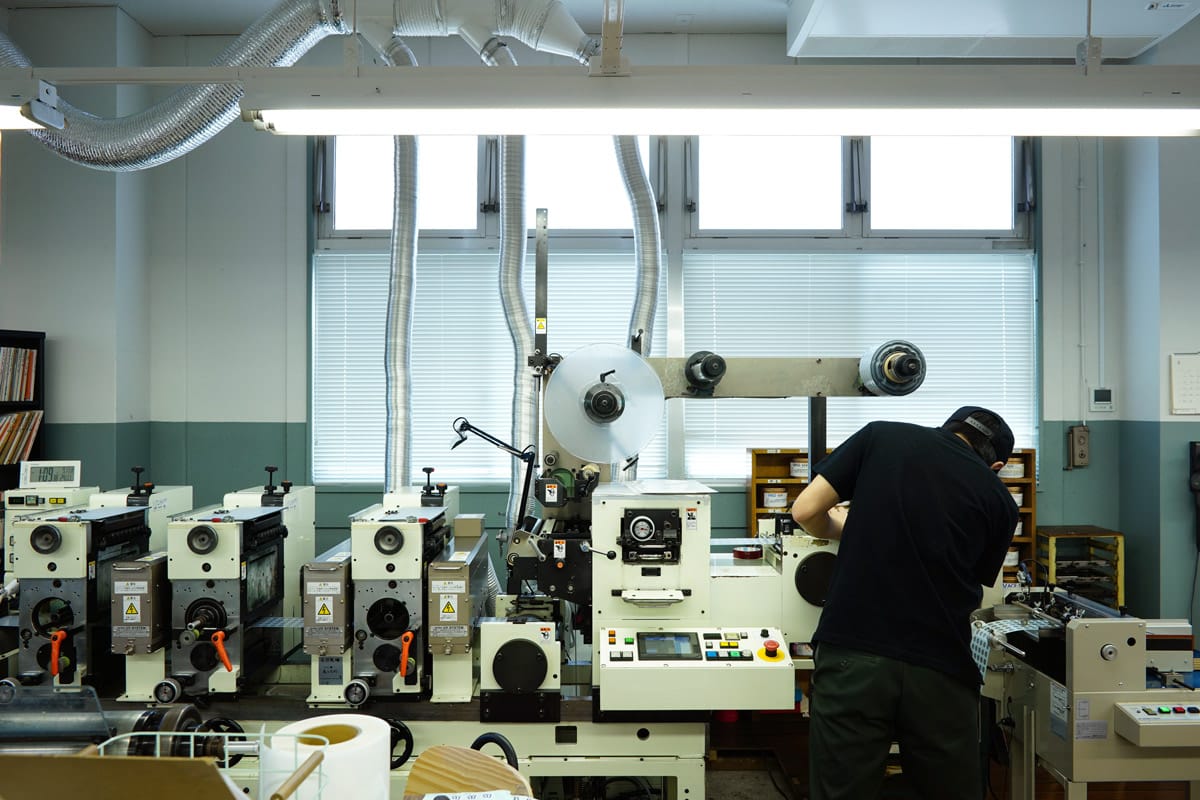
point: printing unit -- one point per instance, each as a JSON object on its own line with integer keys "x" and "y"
{"x": 225, "y": 566}
{"x": 62, "y": 560}
{"x": 162, "y": 503}
{"x": 391, "y": 549}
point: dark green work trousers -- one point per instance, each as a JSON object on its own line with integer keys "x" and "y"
{"x": 861, "y": 703}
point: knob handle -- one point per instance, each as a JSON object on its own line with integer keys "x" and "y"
{"x": 218, "y": 640}
{"x": 405, "y": 641}
{"x": 56, "y": 640}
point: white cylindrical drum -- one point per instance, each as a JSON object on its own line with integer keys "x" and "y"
{"x": 357, "y": 759}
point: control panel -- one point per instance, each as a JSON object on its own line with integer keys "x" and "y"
{"x": 701, "y": 668}
{"x": 1171, "y": 723}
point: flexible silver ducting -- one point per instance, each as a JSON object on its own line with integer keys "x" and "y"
{"x": 397, "y": 353}
{"x": 544, "y": 25}
{"x": 646, "y": 244}
{"x": 191, "y": 115}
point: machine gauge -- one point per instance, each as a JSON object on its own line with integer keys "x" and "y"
{"x": 641, "y": 529}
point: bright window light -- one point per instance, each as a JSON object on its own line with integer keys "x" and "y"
{"x": 364, "y": 183}
{"x": 770, "y": 183}
{"x": 576, "y": 178}
{"x": 941, "y": 183}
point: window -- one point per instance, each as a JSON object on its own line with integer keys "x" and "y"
{"x": 578, "y": 181}
{"x": 942, "y": 183}
{"x": 971, "y": 315}
{"x": 364, "y": 182}
{"x": 770, "y": 183}
{"x": 463, "y": 365}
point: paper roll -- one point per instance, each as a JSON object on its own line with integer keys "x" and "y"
{"x": 357, "y": 759}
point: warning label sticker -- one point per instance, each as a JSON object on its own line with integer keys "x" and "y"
{"x": 560, "y": 549}
{"x": 539, "y": 325}
{"x": 691, "y": 522}
{"x": 324, "y": 608}
{"x": 132, "y": 605}
{"x": 130, "y": 587}
{"x": 449, "y": 608}
{"x": 448, "y": 587}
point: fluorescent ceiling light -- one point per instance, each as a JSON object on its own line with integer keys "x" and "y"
{"x": 795, "y": 100}
{"x": 29, "y": 105}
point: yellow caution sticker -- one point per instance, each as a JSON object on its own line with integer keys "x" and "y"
{"x": 449, "y": 609}
{"x": 132, "y": 608}
{"x": 325, "y": 609}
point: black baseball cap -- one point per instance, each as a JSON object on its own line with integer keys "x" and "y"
{"x": 991, "y": 425}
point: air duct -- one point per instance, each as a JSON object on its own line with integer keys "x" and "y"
{"x": 543, "y": 25}
{"x": 194, "y": 114}
{"x": 398, "y": 342}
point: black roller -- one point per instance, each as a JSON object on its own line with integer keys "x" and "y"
{"x": 389, "y": 540}
{"x": 388, "y": 618}
{"x": 45, "y": 539}
{"x": 386, "y": 658}
{"x": 519, "y": 666}
{"x": 813, "y": 575}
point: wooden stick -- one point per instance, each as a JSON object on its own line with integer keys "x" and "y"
{"x": 288, "y": 787}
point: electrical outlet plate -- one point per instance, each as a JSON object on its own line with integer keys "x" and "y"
{"x": 1101, "y": 400}
{"x": 1078, "y": 446}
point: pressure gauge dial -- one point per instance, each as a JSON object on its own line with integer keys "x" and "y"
{"x": 641, "y": 529}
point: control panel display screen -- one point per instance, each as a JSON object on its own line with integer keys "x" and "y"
{"x": 52, "y": 474}
{"x": 668, "y": 646}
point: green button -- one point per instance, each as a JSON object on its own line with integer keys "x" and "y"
{"x": 735, "y": 653}
{"x": 628, "y": 640}
{"x": 1164, "y": 709}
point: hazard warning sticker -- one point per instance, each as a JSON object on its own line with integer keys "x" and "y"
{"x": 132, "y": 608}
{"x": 324, "y": 608}
{"x": 449, "y": 608}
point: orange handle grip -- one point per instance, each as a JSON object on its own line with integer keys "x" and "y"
{"x": 218, "y": 640}
{"x": 405, "y": 641}
{"x": 56, "y": 640}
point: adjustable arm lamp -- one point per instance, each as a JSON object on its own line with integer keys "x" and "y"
{"x": 529, "y": 455}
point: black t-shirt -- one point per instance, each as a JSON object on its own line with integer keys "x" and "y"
{"x": 929, "y": 524}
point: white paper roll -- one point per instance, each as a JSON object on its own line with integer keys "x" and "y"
{"x": 357, "y": 759}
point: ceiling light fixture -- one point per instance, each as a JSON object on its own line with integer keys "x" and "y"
{"x": 39, "y": 111}
{"x": 859, "y": 100}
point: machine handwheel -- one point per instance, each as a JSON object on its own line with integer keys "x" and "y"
{"x": 400, "y": 735}
{"x": 500, "y": 740}
{"x": 216, "y": 746}
{"x": 813, "y": 575}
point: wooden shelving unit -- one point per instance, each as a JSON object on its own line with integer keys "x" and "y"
{"x": 1020, "y": 476}
{"x": 35, "y": 380}
{"x": 771, "y": 473}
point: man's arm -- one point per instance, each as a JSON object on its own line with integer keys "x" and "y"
{"x": 812, "y": 510}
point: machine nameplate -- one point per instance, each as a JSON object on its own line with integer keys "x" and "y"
{"x": 130, "y": 631}
{"x": 448, "y": 587}
{"x": 1091, "y": 729}
{"x": 130, "y": 587}
{"x": 447, "y": 631}
{"x": 324, "y": 587}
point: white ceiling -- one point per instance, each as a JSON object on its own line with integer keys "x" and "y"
{"x": 1024, "y": 29}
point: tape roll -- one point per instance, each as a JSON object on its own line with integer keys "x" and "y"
{"x": 590, "y": 430}
{"x": 357, "y": 758}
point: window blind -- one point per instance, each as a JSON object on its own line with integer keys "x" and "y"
{"x": 973, "y": 316}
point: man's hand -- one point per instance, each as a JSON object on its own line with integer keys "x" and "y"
{"x": 813, "y": 510}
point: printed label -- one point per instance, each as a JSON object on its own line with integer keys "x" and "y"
{"x": 329, "y": 671}
{"x": 243, "y": 570}
{"x": 448, "y": 587}
{"x": 551, "y": 492}
{"x": 691, "y": 523}
{"x": 132, "y": 605}
{"x": 324, "y": 587}
{"x": 130, "y": 587}
{"x": 539, "y": 325}
{"x": 1083, "y": 708}
{"x": 1058, "y": 710}
{"x": 91, "y": 570}
{"x": 449, "y": 609}
{"x": 324, "y": 609}
{"x": 1091, "y": 729}
{"x": 545, "y": 633}
{"x": 560, "y": 549}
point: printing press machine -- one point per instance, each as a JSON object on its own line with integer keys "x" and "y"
{"x": 1091, "y": 695}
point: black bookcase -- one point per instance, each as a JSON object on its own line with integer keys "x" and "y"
{"x": 36, "y": 341}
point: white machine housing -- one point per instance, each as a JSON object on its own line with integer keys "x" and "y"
{"x": 163, "y": 503}
{"x": 23, "y": 501}
{"x": 497, "y": 634}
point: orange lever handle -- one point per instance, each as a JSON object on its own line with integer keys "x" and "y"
{"x": 405, "y": 641}
{"x": 56, "y": 640}
{"x": 218, "y": 640}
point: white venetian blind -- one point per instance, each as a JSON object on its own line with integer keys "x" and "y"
{"x": 971, "y": 315}
{"x": 461, "y": 361}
